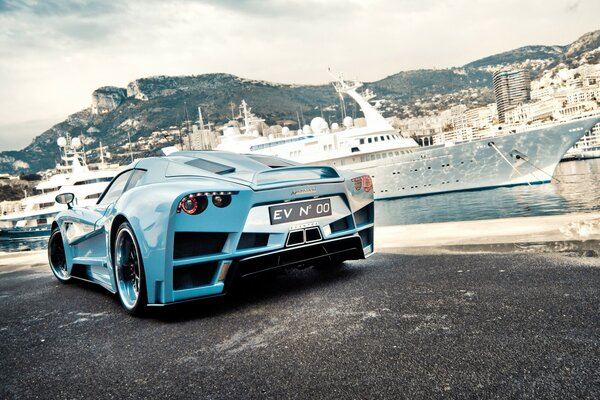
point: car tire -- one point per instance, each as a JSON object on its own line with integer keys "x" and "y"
{"x": 57, "y": 256}
{"x": 129, "y": 273}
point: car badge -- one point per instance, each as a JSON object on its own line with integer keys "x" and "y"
{"x": 308, "y": 190}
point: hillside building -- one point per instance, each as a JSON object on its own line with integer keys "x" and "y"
{"x": 510, "y": 89}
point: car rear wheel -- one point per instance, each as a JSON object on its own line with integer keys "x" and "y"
{"x": 129, "y": 270}
{"x": 57, "y": 258}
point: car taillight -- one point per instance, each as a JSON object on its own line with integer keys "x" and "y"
{"x": 221, "y": 200}
{"x": 195, "y": 203}
{"x": 363, "y": 182}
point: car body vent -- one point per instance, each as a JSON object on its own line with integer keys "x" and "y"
{"x": 196, "y": 244}
{"x": 340, "y": 225}
{"x": 194, "y": 275}
{"x": 364, "y": 215}
{"x": 251, "y": 240}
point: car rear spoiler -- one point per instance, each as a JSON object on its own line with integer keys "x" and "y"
{"x": 290, "y": 176}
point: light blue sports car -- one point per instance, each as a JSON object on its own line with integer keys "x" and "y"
{"x": 185, "y": 226}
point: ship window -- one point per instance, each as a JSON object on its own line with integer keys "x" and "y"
{"x": 376, "y": 139}
{"x": 382, "y": 138}
{"x": 388, "y": 137}
{"x": 362, "y": 141}
{"x": 370, "y": 140}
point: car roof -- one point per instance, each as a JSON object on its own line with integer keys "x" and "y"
{"x": 208, "y": 164}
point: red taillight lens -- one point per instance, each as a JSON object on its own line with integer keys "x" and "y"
{"x": 363, "y": 182}
{"x": 221, "y": 200}
{"x": 192, "y": 204}
{"x": 195, "y": 203}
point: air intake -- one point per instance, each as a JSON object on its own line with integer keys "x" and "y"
{"x": 340, "y": 225}
{"x": 190, "y": 276}
{"x": 251, "y": 240}
{"x": 364, "y": 215}
{"x": 196, "y": 244}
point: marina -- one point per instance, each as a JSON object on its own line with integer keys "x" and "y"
{"x": 574, "y": 191}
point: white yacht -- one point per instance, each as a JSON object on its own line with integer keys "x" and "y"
{"x": 400, "y": 167}
{"x": 36, "y": 213}
{"x": 587, "y": 147}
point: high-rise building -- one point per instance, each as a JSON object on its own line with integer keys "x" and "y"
{"x": 511, "y": 88}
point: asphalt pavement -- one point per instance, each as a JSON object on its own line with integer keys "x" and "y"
{"x": 392, "y": 326}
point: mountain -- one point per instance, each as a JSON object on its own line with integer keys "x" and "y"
{"x": 155, "y": 103}
{"x": 519, "y": 55}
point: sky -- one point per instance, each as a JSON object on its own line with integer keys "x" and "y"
{"x": 55, "y": 53}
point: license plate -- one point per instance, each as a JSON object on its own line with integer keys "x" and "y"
{"x": 300, "y": 210}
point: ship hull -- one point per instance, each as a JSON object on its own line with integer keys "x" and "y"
{"x": 515, "y": 159}
{"x": 25, "y": 233}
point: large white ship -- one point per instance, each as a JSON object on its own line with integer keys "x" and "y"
{"x": 400, "y": 167}
{"x": 587, "y": 147}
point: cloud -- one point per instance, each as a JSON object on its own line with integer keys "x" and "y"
{"x": 54, "y": 53}
{"x": 80, "y": 8}
{"x": 572, "y": 6}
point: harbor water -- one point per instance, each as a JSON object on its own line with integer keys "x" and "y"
{"x": 575, "y": 190}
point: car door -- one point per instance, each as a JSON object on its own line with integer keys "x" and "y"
{"x": 82, "y": 223}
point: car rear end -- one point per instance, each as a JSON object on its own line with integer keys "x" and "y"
{"x": 279, "y": 218}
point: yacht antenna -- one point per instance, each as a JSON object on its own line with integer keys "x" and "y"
{"x": 187, "y": 124}
{"x": 101, "y": 154}
{"x": 200, "y": 119}
{"x": 232, "y": 105}
{"x": 179, "y": 130}
{"x": 130, "y": 148}
{"x": 83, "y": 148}
{"x": 342, "y": 104}
{"x": 298, "y": 118}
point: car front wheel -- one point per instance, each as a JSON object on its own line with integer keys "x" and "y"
{"x": 129, "y": 270}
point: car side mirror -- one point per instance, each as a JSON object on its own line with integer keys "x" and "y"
{"x": 65, "y": 198}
